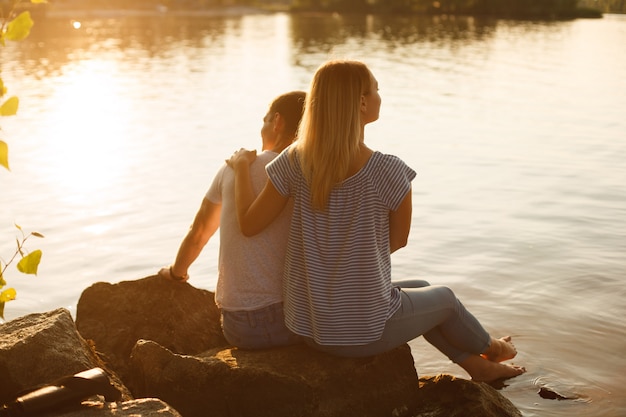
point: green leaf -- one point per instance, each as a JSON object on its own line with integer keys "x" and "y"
{"x": 19, "y": 28}
{"x": 7, "y": 295}
{"x": 9, "y": 107}
{"x": 29, "y": 263}
{"x": 4, "y": 155}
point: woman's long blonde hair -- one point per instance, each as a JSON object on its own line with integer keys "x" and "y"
{"x": 330, "y": 130}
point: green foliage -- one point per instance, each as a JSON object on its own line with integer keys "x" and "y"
{"x": 15, "y": 28}
{"x": 28, "y": 264}
{"x": 19, "y": 28}
{"x": 9, "y": 107}
{"x": 605, "y": 6}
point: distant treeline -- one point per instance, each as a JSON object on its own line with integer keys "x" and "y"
{"x": 605, "y": 6}
{"x": 500, "y": 8}
{"x": 504, "y": 8}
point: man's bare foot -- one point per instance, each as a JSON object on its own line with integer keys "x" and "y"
{"x": 500, "y": 350}
{"x": 484, "y": 370}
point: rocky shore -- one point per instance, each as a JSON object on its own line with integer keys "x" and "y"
{"x": 160, "y": 347}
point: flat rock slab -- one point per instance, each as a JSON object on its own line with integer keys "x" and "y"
{"x": 282, "y": 382}
{"x": 145, "y": 407}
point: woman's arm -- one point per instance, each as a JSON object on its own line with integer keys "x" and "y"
{"x": 254, "y": 215}
{"x": 400, "y": 223}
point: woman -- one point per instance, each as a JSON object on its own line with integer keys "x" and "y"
{"x": 352, "y": 209}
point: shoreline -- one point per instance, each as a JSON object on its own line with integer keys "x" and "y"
{"x": 74, "y": 13}
{"x": 55, "y": 11}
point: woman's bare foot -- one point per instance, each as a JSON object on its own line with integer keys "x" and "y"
{"x": 500, "y": 350}
{"x": 484, "y": 370}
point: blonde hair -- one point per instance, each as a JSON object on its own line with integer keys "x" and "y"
{"x": 330, "y": 130}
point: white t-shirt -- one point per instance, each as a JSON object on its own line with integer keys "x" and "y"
{"x": 250, "y": 269}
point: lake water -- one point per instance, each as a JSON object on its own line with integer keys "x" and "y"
{"x": 517, "y": 131}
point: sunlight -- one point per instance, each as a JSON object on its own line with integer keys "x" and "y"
{"x": 87, "y": 130}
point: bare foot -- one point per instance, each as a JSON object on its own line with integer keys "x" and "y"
{"x": 484, "y": 370}
{"x": 500, "y": 350}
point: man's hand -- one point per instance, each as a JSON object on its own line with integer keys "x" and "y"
{"x": 166, "y": 272}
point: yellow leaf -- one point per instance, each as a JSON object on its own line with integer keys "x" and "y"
{"x": 9, "y": 107}
{"x": 3, "y": 89}
{"x": 7, "y": 295}
{"x": 19, "y": 28}
{"x": 4, "y": 155}
{"x": 2, "y": 281}
{"x": 38, "y": 1}
{"x": 29, "y": 263}
{"x": 37, "y": 234}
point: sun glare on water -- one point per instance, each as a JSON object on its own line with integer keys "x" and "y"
{"x": 87, "y": 127}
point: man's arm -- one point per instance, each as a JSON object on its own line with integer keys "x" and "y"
{"x": 205, "y": 224}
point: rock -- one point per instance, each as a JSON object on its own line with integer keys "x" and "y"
{"x": 164, "y": 340}
{"x": 552, "y": 394}
{"x": 176, "y": 315}
{"x": 40, "y": 348}
{"x": 147, "y": 407}
{"x": 447, "y": 396}
{"x": 281, "y": 382}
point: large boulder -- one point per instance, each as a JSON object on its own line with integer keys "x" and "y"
{"x": 281, "y": 382}
{"x": 40, "y": 348}
{"x": 176, "y": 315}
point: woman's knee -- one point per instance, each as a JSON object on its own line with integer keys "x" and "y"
{"x": 427, "y": 299}
{"x": 447, "y": 294}
{"x": 411, "y": 283}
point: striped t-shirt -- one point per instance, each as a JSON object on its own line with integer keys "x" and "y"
{"x": 337, "y": 283}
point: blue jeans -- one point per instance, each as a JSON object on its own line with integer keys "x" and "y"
{"x": 431, "y": 311}
{"x": 258, "y": 329}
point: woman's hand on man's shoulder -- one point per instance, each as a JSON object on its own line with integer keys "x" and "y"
{"x": 241, "y": 157}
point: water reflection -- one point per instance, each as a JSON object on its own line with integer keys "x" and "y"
{"x": 89, "y": 108}
{"x": 54, "y": 42}
{"x": 310, "y": 32}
